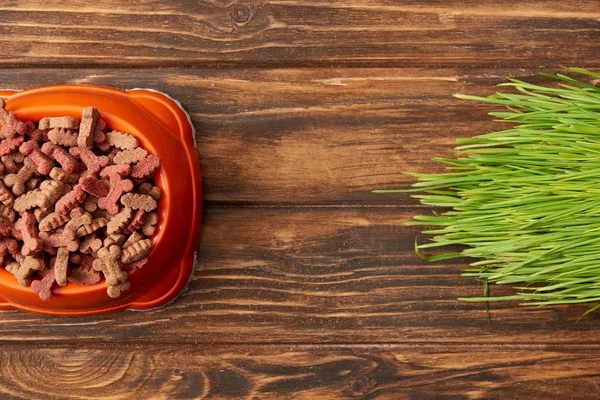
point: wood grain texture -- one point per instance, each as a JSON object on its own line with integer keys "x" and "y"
{"x": 315, "y": 275}
{"x": 292, "y": 33}
{"x": 312, "y": 136}
{"x": 299, "y": 372}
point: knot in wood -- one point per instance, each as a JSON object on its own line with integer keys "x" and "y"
{"x": 240, "y": 13}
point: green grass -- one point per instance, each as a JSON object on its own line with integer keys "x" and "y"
{"x": 524, "y": 202}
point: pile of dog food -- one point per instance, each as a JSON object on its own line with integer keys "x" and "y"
{"x": 77, "y": 202}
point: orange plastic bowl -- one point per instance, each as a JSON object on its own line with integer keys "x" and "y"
{"x": 162, "y": 127}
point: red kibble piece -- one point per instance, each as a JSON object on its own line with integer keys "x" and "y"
{"x": 13, "y": 126}
{"x": 66, "y": 238}
{"x": 146, "y": 167}
{"x": 117, "y": 188}
{"x": 8, "y": 229}
{"x": 8, "y": 246}
{"x": 39, "y": 135}
{"x": 115, "y": 172}
{"x": 92, "y": 162}
{"x": 70, "y": 200}
{"x": 139, "y": 219}
{"x": 43, "y": 287}
{"x": 84, "y": 275}
{"x": 43, "y": 164}
{"x": 136, "y": 265}
{"x": 7, "y": 146}
{"x": 68, "y": 163}
{"x": 93, "y": 186}
{"x": 28, "y": 227}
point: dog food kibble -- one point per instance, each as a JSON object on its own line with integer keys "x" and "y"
{"x": 77, "y": 202}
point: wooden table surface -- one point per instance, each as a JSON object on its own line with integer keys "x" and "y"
{"x": 307, "y": 285}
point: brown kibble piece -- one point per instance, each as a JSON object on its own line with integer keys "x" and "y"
{"x": 79, "y": 218}
{"x": 89, "y": 118}
{"x": 58, "y": 122}
{"x": 137, "y": 251}
{"x": 123, "y": 141}
{"x": 90, "y": 244}
{"x": 7, "y": 213}
{"x": 115, "y": 238}
{"x": 96, "y": 224}
{"x": 33, "y": 183}
{"x": 23, "y": 270}
{"x": 90, "y": 204}
{"x": 85, "y": 274}
{"x": 17, "y": 181}
{"x": 130, "y": 156}
{"x": 58, "y": 174}
{"x": 6, "y": 196}
{"x": 150, "y": 190}
{"x": 12, "y": 162}
{"x": 68, "y": 163}
{"x": 65, "y": 238}
{"x": 53, "y": 221}
{"x": 138, "y": 201}
{"x": 41, "y": 213}
{"x": 108, "y": 263}
{"x": 150, "y": 226}
{"x": 3, "y": 112}
{"x": 61, "y": 266}
{"x": 115, "y": 291}
{"x": 119, "y": 221}
{"x": 132, "y": 239}
{"x": 63, "y": 137}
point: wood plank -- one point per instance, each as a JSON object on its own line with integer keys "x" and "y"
{"x": 299, "y": 372}
{"x": 311, "y": 136}
{"x": 315, "y": 275}
{"x": 524, "y": 33}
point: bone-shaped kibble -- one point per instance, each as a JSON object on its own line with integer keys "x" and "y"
{"x": 61, "y": 266}
{"x": 12, "y": 161}
{"x": 85, "y": 274}
{"x": 115, "y": 172}
{"x": 137, "y": 264}
{"x": 123, "y": 141}
{"x": 51, "y": 192}
{"x": 96, "y": 224}
{"x": 130, "y": 156}
{"x": 119, "y": 221}
{"x": 58, "y": 122}
{"x": 6, "y": 196}
{"x": 93, "y": 186}
{"x": 53, "y": 221}
{"x": 114, "y": 238}
{"x": 90, "y": 244}
{"x": 41, "y": 213}
{"x": 150, "y": 226}
{"x": 146, "y": 167}
{"x": 7, "y": 213}
{"x": 17, "y": 181}
{"x": 138, "y": 202}
{"x": 8, "y": 146}
{"x": 150, "y": 190}
{"x": 90, "y": 204}
{"x": 33, "y": 183}
{"x": 132, "y": 239}
{"x": 65, "y": 238}
{"x": 79, "y": 218}
{"x": 43, "y": 164}
{"x": 136, "y": 251}
{"x": 23, "y": 270}
{"x": 70, "y": 200}
{"x": 108, "y": 263}
{"x": 92, "y": 162}
{"x": 115, "y": 291}
{"x": 38, "y": 135}
{"x": 58, "y": 174}
{"x": 8, "y": 246}
{"x": 89, "y": 118}
{"x": 68, "y": 163}
{"x": 43, "y": 287}
{"x": 14, "y": 126}
{"x": 63, "y": 137}
{"x": 117, "y": 188}
{"x": 138, "y": 220}
{"x": 28, "y": 227}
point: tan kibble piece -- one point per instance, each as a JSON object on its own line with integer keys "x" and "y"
{"x": 63, "y": 137}
{"x": 137, "y": 251}
{"x": 59, "y": 175}
{"x": 150, "y": 190}
{"x": 52, "y": 191}
{"x": 89, "y": 118}
{"x": 17, "y": 181}
{"x": 61, "y": 266}
{"x": 53, "y": 221}
{"x": 33, "y": 183}
{"x": 90, "y": 244}
{"x": 28, "y": 200}
{"x": 79, "y": 218}
{"x": 59, "y": 122}
{"x": 7, "y": 213}
{"x": 130, "y": 156}
{"x": 90, "y": 204}
{"x": 23, "y": 271}
{"x": 6, "y": 196}
{"x": 119, "y": 221}
{"x": 149, "y": 227}
{"x": 101, "y": 213}
{"x": 96, "y": 224}
{"x": 115, "y": 238}
{"x": 138, "y": 201}
{"x": 41, "y": 213}
{"x": 123, "y": 141}
{"x": 108, "y": 263}
{"x": 132, "y": 239}
{"x": 114, "y": 291}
